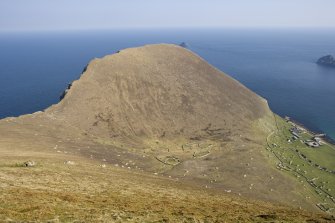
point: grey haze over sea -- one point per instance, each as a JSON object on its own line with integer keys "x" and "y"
{"x": 35, "y": 67}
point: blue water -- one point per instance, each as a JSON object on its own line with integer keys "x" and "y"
{"x": 279, "y": 65}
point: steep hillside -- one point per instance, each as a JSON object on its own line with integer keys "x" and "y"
{"x": 155, "y": 91}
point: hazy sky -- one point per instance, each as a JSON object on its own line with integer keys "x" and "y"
{"x": 100, "y": 14}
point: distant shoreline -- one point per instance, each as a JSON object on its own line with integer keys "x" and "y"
{"x": 325, "y": 138}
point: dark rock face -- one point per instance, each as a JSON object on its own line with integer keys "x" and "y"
{"x": 70, "y": 84}
{"x": 67, "y": 89}
{"x": 327, "y": 61}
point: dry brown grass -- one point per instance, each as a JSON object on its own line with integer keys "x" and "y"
{"x": 85, "y": 192}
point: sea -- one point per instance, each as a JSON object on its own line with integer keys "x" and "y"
{"x": 278, "y": 64}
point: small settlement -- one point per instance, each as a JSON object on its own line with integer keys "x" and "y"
{"x": 296, "y": 131}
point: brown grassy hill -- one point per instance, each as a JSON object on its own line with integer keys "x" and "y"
{"x": 168, "y": 118}
{"x": 157, "y": 90}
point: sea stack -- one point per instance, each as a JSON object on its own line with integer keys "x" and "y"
{"x": 183, "y": 44}
{"x": 327, "y": 61}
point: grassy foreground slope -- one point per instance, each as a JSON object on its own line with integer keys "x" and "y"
{"x": 86, "y": 191}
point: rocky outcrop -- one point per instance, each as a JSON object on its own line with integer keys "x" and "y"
{"x": 65, "y": 91}
{"x": 29, "y": 163}
{"x": 70, "y": 84}
{"x": 327, "y": 61}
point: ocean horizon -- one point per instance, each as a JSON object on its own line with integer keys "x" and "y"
{"x": 279, "y": 65}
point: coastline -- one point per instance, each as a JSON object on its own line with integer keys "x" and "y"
{"x": 309, "y": 131}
